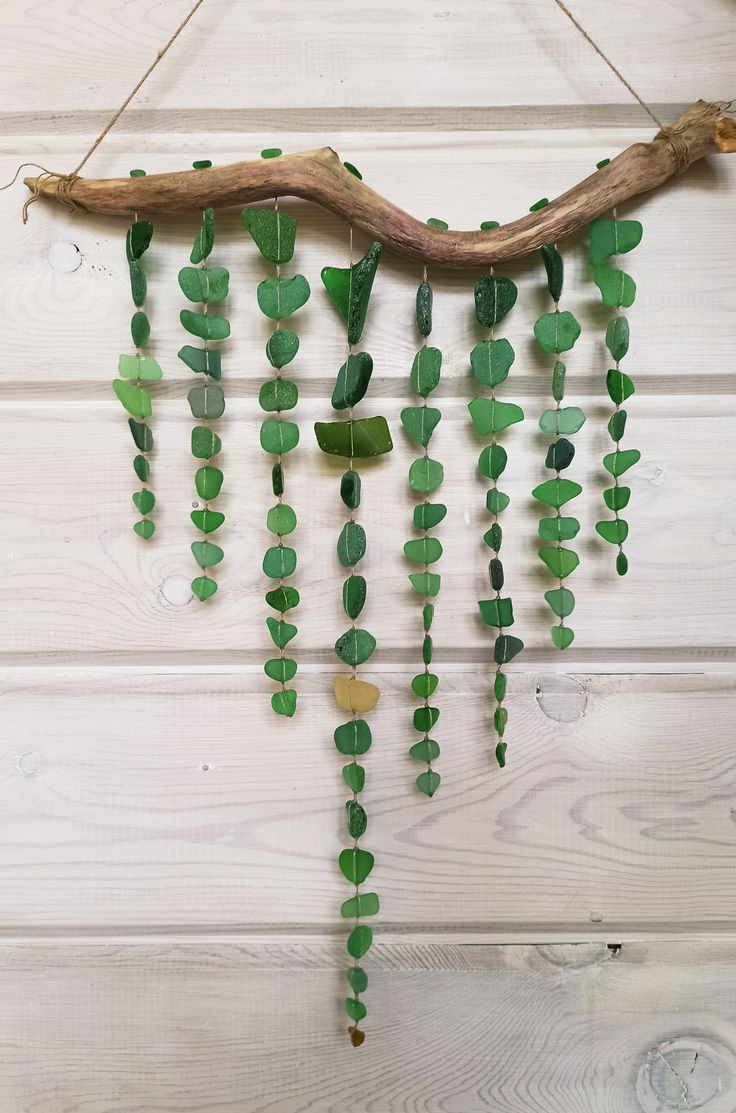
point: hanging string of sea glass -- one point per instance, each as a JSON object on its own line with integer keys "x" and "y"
{"x": 557, "y": 332}
{"x": 206, "y": 285}
{"x": 607, "y": 239}
{"x": 491, "y": 361}
{"x": 425, "y": 475}
{"x": 137, "y": 369}
{"x": 274, "y": 233}
{"x": 354, "y": 439}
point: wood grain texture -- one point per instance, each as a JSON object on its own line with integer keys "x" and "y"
{"x": 167, "y": 798}
{"x": 212, "y": 1027}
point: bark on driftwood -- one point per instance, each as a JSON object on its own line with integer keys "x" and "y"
{"x": 320, "y": 176}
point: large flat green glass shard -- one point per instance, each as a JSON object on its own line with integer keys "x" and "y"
{"x": 616, "y": 287}
{"x": 350, "y": 289}
{"x": 612, "y": 237}
{"x": 273, "y": 233}
{"x": 491, "y": 416}
{"x": 363, "y": 437}
{"x": 491, "y": 361}
{"x": 205, "y": 284}
{"x": 556, "y": 492}
{"x": 280, "y": 297}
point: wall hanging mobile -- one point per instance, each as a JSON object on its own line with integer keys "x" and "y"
{"x": 321, "y": 177}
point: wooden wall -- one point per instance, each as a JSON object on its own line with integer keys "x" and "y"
{"x": 554, "y": 938}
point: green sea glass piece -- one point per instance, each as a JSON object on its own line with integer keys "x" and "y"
{"x": 612, "y": 237}
{"x": 273, "y": 233}
{"x": 558, "y": 380}
{"x": 617, "y": 337}
{"x": 554, "y": 267}
{"x": 281, "y": 632}
{"x": 205, "y": 361}
{"x": 622, "y": 564}
{"x": 281, "y": 519}
{"x": 281, "y": 347}
{"x": 354, "y": 777}
{"x": 617, "y": 425}
{"x": 562, "y": 636}
{"x": 208, "y": 326}
{"x": 141, "y": 467}
{"x": 616, "y": 463}
{"x": 424, "y": 684}
{"x": 423, "y": 550}
{"x": 561, "y": 600}
{"x": 619, "y": 386}
{"x": 556, "y": 492}
{"x": 491, "y": 361}
{"x": 279, "y": 562}
{"x": 540, "y": 204}
{"x": 494, "y": 299}
{"x": 208, "y": 481}
{"x": 496, "y": 612}
{"x": 435, "y": 222}
{"x": 425, "y": 750}
{"x": 140, "y": 329}
{"x": 614, "y": 532}
{"x": 138, "y": 239}
{"x": 350, "y": 290}
{"x": 492, "y": 461}
{"x": 355, "y": 864}
{"x": 357, "y": 978}
{"x": 424, "y": 309}
{"x": 204, "y": 284}
{"x": 279, "y": 437}
{"x": 351, "y": 544}
{"x": 284, "y": 702}
{"x": 356, "y": 439}
{"x": 427, "y": 515}
{"x": 362, "y": 904}
{"x": 506, "y": 647}
{"x": 207, "y": 520}
{"x": 207, "y": 402}
{"x": 277, "y": 479}
{"x": 425, "y": 475}
{"x": 271, "y": 152}
{"x": 139, "y": 367}
{"x": 355, "y": 646}
{"x": 556, "y": 332}
{"x": 426, "y": 584}
{"x": 617, "y": 498}
{"x": 359, "y": 941}
{"x": 205, "y": 443}
{"x": 283, "y": 598}
{"x": 495, "y": 573}
{"x": 280, "y": 297}
{"x": 428, "y": 782}
{"x": 280, "y": 669}
{"x": 142, "y": 435}
{"x": 135, "y": 399}
{"x": 499, "y": 687}
{"x": 425, "y": 371}
{"x": 496, "y": 501}
{"x": 561, "y": 562}
{"x": 560, "y": 454}
{"x": 205, "y": 238}
{"x": 350, "y": 487}
{"x": 353, "y": 170}
{"x": 353, "y": 738}
{"x": 566, "y": 421}
{"x": 491, "y": 416}
{"x": 420, "y": 422}
{"x": 353, "y": 595}
{"x": 425, "y": 718}
{"x": 204, "y": 587}
{"x": 558, "y": 529}
{"x": 617, "y": 288}
{"x": 145, "y": 528}
{"x": 352, "y": 381}
{"x": 138, "y": 283}
{"x": 206, "y": 554}
{"x": 278, "y": 394}
{"x": 144, "y": 501}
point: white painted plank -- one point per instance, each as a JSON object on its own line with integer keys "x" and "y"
{"x": 68, "y": 56}
{"x": 175, "y": 799}
{"x": 93, "y": 590}
{"x": 196, "y": 1028}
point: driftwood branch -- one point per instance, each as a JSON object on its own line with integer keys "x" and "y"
{"x": 319, "y": 176}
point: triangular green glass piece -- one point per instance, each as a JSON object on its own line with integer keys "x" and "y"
{"x": 273, "y": 233}
{"x": 350, "y": 289}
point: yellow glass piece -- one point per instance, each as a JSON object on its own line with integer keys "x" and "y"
{"x": 355, "y": 695}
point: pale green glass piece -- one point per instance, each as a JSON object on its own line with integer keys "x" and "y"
{"x": 135, "y": 399}
{"x": 281, "y": 519}
{"x": 561, "y": 600}
{"x": 420, "y": 422}
{"x": 358, "y": 439}
{"x": 617, "y": 288}
{"x": 207, "y": 554}
{"x": 491, "y": 361}
{"x": 556, "y": 332}
{"x": 562, "y": 636}
{"x": 612, "y": 237}
{"x": 423, "y": 550}
{"x": 425, "y": 371}
{"x": 204, "y": 284}
{"x": 556, "y": 492}
{"x": 208, "y": 326}
{"x": 425, "y": 475}
{"x": 350, "y": 290}
{"x": 363, "y": 904}
{"x": 565, "y": 421}
{"x": 279, "y": 437}
{"x": 145, "y": 528}
{"x": 491, "y": 416}
{"x": 280, "y": 297}
{"x": 273, "y": 233}
{"x": 428, "y": 782}
{"x": 139, "y": 367}
{"x": 561, "y": 562}
{"x": 425, "y": 750}
{"x": 426, "y": 584}
{"x": 207, "y": 402}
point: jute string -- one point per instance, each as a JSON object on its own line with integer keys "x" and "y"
{"x": 65, "y": 182}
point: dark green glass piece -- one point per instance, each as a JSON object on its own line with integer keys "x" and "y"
{"x": 612, "y": 237}
{"x": 556, "y": 332}
{"x": 495, "y": 573}
{"x": 280, "y": 297}
{"x": 356, "y": 439}
{"x": 284, "y": 702}
{"x": 499, "y": 687}
{"x": 142, "y": 468}
{"x": 425, "y": 371}
{"x": 283, "y": 598}
{"x": 277, "y": 479}
{"x": 500, "y": 719}
{"x": 427, "y": 515}
{"x": 137, "y": 173}
{"x": 494, "y": 537}
{"x": 141, "y": 435}
{"x": 207, "y": 326}
{"x": 506, "y": 647}
{"x": 617, "y": 337}
{"x": 355, "y": 646}
{"x": 617, "y": 425}
{"x": 202, "y": 164}
{"x": 420, "y": 422}
{"x": 561, "y": 562}
{"x": 350, "y": 489}
{"x": 140, "y": 329}
{"x": 491, "y": 361}
{"x": 271, "y": 152}
{"x": 353, "y": 170}
{"x": 489, "y": 225}
{"x": 353, "y": 595}
{"x": 351, "y": 544}
{"x": 350, "y": 290}
{"x": 281, "y": 347}
{"x": 359, "y": 941}
{"x": 353, "y": 738}
{"x": 138, "y": 284}
{"x": 616, "y": 498}
{"x": 205, "y": 238}
{"x": 279, "y": 562}
{"x": 435, "y": 222}
{"x": 558, "y": 381}
{"x": 204, "y": 284}
{"x": 207, "y": 403}
{"x": 276, "y": 395}
{"x": 619, "y": 386}
{"x": 138, "y": 239}
{"x": 554, "y": 267}
{"x": 273, "y": 233}
{"x": 560, "y": 454}
{"x": 354, "y": 776}
{"x": 427, "y": 650}
{"x": 205, "y": 443}
{"x": 352, "y": 381}
{"x": 207, "y": 361}
{"x": 496, "y": 501}
{"x": 428, "y": 782}
{"x": 427, "y": 616}
{"x": 622, "y": 564}
{"x": 207, "y": 520}
{"x": 206, "y": 554}
{"x": 494, "y": 299}
{"x": 280, "y": 669}
{"x": 279, "y": 437}
{"x": 425, "y": 718}
{"x": 424, "y": 309}
{"x": 540, "y": 204}
{"x": 492, "y": 461}
{"x": 357, "y": 819}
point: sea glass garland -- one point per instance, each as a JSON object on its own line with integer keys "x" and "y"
{"x": 556, "y": 332}
{"x": 607, "y": 239}
{"x": 354, "y": 439}
{"x": 274, "y": 233}
{"x": 425, "y": 475}
{"x": 491, "y": 361}
{"x": 137, "y": 369}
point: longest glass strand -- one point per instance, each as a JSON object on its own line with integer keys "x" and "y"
{"x": 425, "y": 475}
{"x": 491, "y": 361}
